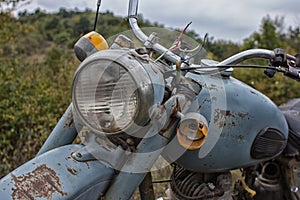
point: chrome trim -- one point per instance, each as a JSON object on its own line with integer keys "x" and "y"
{"x": 132, "y": 17}
{"x": 248, "y": 54}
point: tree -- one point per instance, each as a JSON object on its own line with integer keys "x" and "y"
{"x": 268, "y": 37}
{"x": 82, "y": 26}
{"x": 293, "y": 39}
{"x": 221, "y": 49}
{"x": 11, "y": 5}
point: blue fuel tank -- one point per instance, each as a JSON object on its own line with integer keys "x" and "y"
{"x": 245, "y": 127}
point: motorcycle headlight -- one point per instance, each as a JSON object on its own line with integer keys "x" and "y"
{"x": 113, "y": 92}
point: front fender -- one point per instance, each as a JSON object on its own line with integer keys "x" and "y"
{"x": 56, "y": 175}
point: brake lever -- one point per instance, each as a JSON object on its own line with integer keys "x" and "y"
{"x": 285, "y": 64}
{"x": 292, "y": 72}
{"x": 297, "y": 56}
{"x": 292, "y": 67}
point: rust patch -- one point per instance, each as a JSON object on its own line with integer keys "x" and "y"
{"x": 220, "y": 117}
{"x": 42, "y": 182}
{"x": 227, "y": 118}
{"x": 213, "y": 87}
{"x": 173, "y": 118}
{"x": 72, "y": 171}
{"x": 69, "y": 121}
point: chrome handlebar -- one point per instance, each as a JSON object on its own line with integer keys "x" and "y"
{"x": 132, "y": 17}
{"x": 248, "y": 54}
{"x": 235, "y": 59}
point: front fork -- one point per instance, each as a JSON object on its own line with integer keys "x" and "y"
{"x": 64, "y": 132}
{"x": 139, "y": 163}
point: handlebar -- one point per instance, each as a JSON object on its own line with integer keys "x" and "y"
{"x": 288, "y": 65}
{"x": 233, "y": 60}
{"x": 248, "y": 54}
{"x": 132, "y": 17}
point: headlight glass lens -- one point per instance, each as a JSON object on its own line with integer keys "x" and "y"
{"x": 106, "y": 96}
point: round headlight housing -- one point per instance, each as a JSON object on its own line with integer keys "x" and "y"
{"x": 113, "y": 92}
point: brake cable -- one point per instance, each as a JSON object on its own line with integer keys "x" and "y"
{"x": 176, "y": 44}
{"x": 218, "y": 68}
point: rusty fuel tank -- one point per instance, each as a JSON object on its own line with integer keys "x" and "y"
{"x": 245, "y": 127}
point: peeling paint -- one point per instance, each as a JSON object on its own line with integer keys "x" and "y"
{"x": 42, "y": 182}
{"x": 228, "y": 118}
{"x": 213, "y": 87}
{"x": 69, "y": 121}
{"x": 220, "y": 117}
{"x": 72, "y": 171}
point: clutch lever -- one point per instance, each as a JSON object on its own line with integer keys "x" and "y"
{"x": 292, "y": 72}
{"x": 284, "y": 63}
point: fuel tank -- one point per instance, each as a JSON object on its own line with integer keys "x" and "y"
{"x": 245, "y": 127}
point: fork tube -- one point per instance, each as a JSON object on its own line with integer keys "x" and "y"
{"x": 138, "y": 165}
{"x": 128, "y": 179}
{"x": 148, "y": 150}
{"x": 64, "y": 133}
{"x": 146, "y": 188}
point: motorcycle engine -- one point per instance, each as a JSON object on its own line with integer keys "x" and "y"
{"x": 188, "y": 185}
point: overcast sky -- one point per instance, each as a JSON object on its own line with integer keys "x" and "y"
{"x": 231, "y": 20}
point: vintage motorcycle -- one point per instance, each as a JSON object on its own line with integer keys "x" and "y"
{"x": 133, "y": 106}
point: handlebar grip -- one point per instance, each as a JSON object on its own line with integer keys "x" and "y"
{"x": 293, "y": 73}
{"x": 297, "y": 60}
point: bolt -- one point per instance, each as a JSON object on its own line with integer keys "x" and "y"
{"x": 211, "y": 186}
{"x": 294, "y": 189}
{"x": 130, "y": 141}
{"x": 128, "y": 153}
{"x": 79, "y": 155}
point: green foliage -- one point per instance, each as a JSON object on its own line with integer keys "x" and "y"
{"x": 35, "y": 81}
{"x": 271, "y": 36}
{"x": 221, "y": 49}
{"x": 82, "y": 26}
{"x": 7, "y": 6}
{"x": 279, "y": 88}
{"x": 33, "y": 97}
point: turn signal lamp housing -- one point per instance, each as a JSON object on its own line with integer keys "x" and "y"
{"x": 192, "y": 131}
{"x": 89, "y": 44}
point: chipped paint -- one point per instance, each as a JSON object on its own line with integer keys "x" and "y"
{"x": 220, "y": 117}
{"x": 42, "y": 182}
{"x": 213, "y": 87}
{"x": 72, "y": 171}
{"x": 69, "y": 121}
{"x": 227, "y": 118}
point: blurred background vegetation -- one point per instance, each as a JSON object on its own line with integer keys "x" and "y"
{"x": 37, "y": 65}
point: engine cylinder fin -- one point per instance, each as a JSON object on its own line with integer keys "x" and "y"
{"x": 190, "y": 185}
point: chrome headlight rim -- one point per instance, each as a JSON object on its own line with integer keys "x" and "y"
{"x": 142, "y": 81}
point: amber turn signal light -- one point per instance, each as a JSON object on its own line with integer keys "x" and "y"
{"x": 88, "y": 44}
{"x": 192, "y": 131}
